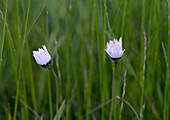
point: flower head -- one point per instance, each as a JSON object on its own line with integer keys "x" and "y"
{"x": 114, "y": 49}
{"x": 42, "y": 57}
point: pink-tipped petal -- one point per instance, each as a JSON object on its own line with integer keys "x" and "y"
{"x": 44, "y": 48}
{"x": 120, "y": 41}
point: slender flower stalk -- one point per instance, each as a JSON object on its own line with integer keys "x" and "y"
{"x": 43, "y": 58}
{"x": 115, "y": 52}
{"x": 112, "y": 102}
{"x": 57, "y": 91}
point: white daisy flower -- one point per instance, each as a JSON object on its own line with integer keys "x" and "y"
{"x": 42, "y": 57}
{"x": 114, "y": 49}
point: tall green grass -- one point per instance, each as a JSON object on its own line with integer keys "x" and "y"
{"x": 75, "y": 33}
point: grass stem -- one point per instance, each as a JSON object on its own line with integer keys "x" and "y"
{"x": 123, "y": 94}
{"x": 4, "y": 33}
{"x": 143, "y": 79}
{"x": 57, "y": 91}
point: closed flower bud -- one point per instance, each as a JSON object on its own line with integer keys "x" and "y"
{"x": 114, "y": 49}
{"x": 43, "y": 58}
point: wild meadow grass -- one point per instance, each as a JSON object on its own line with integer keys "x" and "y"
{"x": 75, "y": 33}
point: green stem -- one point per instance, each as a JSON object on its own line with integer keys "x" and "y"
{"x": 24, "y": 39}
{"x": 16, "y": 101}
{"x": 57, "y": 91}
{"x": 123, "y": 94}
{"x": 165, "y": 110}
{"x": 112, "y": 105}
{"x": 50, "y": 97}
{"x": 4, "y": 33}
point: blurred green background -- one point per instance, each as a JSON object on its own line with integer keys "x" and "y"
{"x": 75, "y": 33}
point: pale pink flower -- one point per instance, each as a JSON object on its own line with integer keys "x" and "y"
{"x": 114, "y": 49}
{"x": 42, "y": 56}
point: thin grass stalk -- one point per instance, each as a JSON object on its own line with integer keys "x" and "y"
{"x": 142, "y": 53}
{"x": 28, "y": 107}
{"x": 101, "y": 54}
{"x": 59, "y": 78}
{"x": 91, "y": 71}
{"x": 15, "y": 75}
{"x": 18, "y": 20}
{"x": 142, "y": 28}
{"x": 86, "y": 61}
{"x": 96, "y": 19}
{"x": 148, "y": 80}
{"x": 47, "y": 40}
{"x": 3, "y": 36}
{"x": 88, "y": 85}
{"x": 24, "y": 38}
{"x": 49, "y": 80}
{"x": 166, "y": 104}
{"x": 112, "y": 102}
{"x": 10, "y": 37}
{"x": 9, "y": 112}
{"x": 108, "y": 24}
{"x": 58, "y": 67}
{"x": 123, "y": 94}
{"x": 16, "y": 101}
{"x": 75, "y": 71}
{"x": 99, "y": 43}
{"x": 166, "y": 110}
{"x": 104, "y": 93}
{"x": 168, "y": 68}
{"x": 23, "y": 8}
{"x": 29, "y": 30}
{"x": 123, "y": 18}
{"x": 30, "y": 77}
{"x": 68, "y": 10}
{"x": 57, "y": 91}
{"x": 117, "y": 15}
{"x": 24, "y": 97}
{"x": 143, "y": 80}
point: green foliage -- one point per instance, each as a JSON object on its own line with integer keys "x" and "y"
{"x": 75, "y": 33}
{"x": 60, "y": 111}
